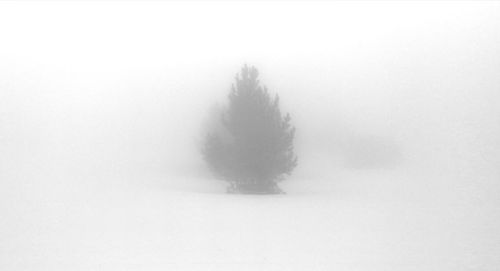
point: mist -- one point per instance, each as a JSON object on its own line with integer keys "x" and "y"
{"x": 394, "y": 104}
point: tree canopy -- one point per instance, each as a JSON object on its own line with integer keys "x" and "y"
{"x": 253, "y": 150}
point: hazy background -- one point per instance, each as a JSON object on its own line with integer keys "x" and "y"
{"x": 127, "y": 85}
{"x": 403, "y": 98}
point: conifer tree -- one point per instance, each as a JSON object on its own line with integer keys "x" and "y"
{"x": 253, "y": 150}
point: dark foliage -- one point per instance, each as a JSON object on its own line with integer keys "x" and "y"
{"x": 254, "y": 149}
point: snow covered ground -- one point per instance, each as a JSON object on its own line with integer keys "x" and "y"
{"x": 352, "y": 220}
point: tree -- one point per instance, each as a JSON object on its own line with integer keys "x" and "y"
{"x": 253, "y": 147}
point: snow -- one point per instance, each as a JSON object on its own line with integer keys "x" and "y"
{"x": 354, "y": 220}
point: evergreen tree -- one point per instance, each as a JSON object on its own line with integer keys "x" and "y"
{"x": 253, "y": 150}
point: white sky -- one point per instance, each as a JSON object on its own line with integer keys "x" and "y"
{"x": 132, "y": 81}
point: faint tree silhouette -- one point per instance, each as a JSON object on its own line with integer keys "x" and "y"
{"x": 253, "y": 147}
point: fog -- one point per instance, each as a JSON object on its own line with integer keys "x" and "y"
{"x": 403, "y": 98}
